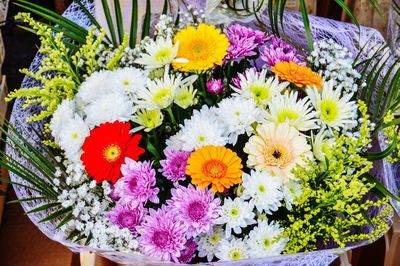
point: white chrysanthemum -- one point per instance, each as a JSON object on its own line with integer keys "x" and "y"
{"x": 291, "y": 191}
{"x": 236, "y": 214}
{"x": 232, "y": 250}
{"x": 185, "y": 96}
{"x": 322, "y": 145}
{"x": 264, "y": 190}
{"x": 200, "y": 130}
{"x": 129, "y": 80}
{"x": 257, "y": 86}
{"x": 158, "y": 53}
{"x": 72, "y": 136}
{"x": 238, "y": 114}
{"x": 97, "y": 84}
{"x": 208, "y": 245}
{"x": 277, "y": 149}
{"x": 160, "y": 93}
{"x": 266, "y": 240}
{"x": 148, "y": 119}
{"x": 332, "y": 109}
{"x": 109, "y": 108}
{"x": 298, "y": 112}
{"x": 65, "y": 111}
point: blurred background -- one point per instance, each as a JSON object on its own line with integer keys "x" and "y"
{"x": 21, "y": 243}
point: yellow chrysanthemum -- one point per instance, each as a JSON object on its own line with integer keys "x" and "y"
{"x": 218, "y": 166}
{"x": 200, "y": 48}
{"x": 299, "y": 75}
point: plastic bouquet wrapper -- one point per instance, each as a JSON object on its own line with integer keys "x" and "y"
{"x": 220, "y": 137}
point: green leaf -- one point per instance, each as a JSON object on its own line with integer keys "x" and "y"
{"x": 67, "y": 218}
{"x": 26, "y": 200}
{"x": 306, "y": 21}
{"x": 165, "y": 7}
{"x": 44, "y": 207}
{"x": 376, "y": 156}
{"x": 118, "y": 16}
{"x": 146, "y": 22}
{"x": 348, "y": 12}
{"x": 150, "y": 147}
{"x": 110, "y": 23}
{"x": 379, "y": 186}
{"x": 56, "y": 214}
{"x": 134, "y": 24}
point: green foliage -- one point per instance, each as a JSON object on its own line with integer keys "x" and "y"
{"x": 333, "y": 205}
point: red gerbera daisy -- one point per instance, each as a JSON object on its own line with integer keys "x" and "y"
{"x": 105, "y": 150}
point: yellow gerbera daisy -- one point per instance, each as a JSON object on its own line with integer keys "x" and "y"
{"x": 218, "y": 166}
{"x": 299, "y": 75}
{"x": 200, "y": 48}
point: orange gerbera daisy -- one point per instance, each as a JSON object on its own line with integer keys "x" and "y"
{"x": 218, "y": 166}
{"x": 299, "y": 75}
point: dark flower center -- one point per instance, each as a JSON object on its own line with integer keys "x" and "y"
{"x": 161, "y": 239}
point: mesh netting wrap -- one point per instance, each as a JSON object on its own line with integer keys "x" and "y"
{"x": 345, "y": 34}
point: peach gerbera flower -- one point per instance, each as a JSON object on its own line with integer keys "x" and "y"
{"x": 277, "y": 149}
{"x": 218, "y": 166}
{"x": 299, "y": 75}
{"x": 200, "y": 48}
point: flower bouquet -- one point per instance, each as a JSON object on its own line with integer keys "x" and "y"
{"x": 202, "y": 142}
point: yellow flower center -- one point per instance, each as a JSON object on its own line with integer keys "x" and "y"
{"x": 261, "y": 188}
{"x": 329, "y": 110}
{"x": 162, "y": 96}
{"x": 267, "y": 242}
{"x": 75, "y": 135}
{"x": 235, "y": 255}
{"x": 277, "y": 155}
{"x": 287, "y": 114}
{"x": 214, "y": 169}
{"x": 112, "y": 153}
{"x": 162, "y": 55}
{"x": 214, "y": 239}
{"x": 260, "y": 93}
{"x": 234, "y": 212}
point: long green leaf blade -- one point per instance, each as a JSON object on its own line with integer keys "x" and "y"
{"x": 110, "y": 23}
{"x": 118, "y": 16}
{"x": 134, "y": 24}
{"x": 146, "y": 22}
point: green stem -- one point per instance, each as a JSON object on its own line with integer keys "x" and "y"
{"x": 171, "y": 115}
{"x": 202, "y": 79}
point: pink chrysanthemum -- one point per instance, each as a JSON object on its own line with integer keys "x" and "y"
{"x": 174, "y": 166}
{"x": 244, "y": 41}
{"x": 137, "y": 183}
{"x": 197, "y": 208}
{"x": 280, "y": 51}
{"x": 162, "y": 236}
{"x": 127, "y": 215}
{"x": 214, "y": 86}
{"x": 189, "y": 253}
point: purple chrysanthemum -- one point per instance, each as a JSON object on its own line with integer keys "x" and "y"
{"x": 162, "y": 236}
{"x": 174, "y": 166}
{"x": 137, "y": 183}
{"x": 189, "y": 253}
{"x": 280, "y": 51}
{"x": 126, "y": 215}
{"x": 214, "y": 86}
{"x": 197, "y": 208}
{"x": 244, "y": 41}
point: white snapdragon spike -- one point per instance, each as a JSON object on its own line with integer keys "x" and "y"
{"x": 147, "y": 119}
{"x": 333, "y": 110}
{"x": 232, "y": 250}
{"x": 200, "y": 130}
{"x": 264, "y": 190}
{"x": 160, "y": 93}
{"x": 65, "y": 111}
{"x": 129, "y": 80}
{"x": 238, "y": 114}
{"x": 72, "y": 136}
{"x": 291, "y": 191}
{"x": 255, "y": 85}
{"x": 298, "y": 112}
{"x": 109, "y": 108}
{"x": 208, "y": 245}
{"x": 322, "y": 144}
{"x": 159, "y": 53}
{"x": 266, "y": 240}
{"x": 236, "y": 214}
